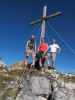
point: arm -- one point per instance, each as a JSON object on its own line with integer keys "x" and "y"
{"x": 35, "y": 48}
{"x": 27, "y": 45}
{"x": 59, "y": 49}
{"x": 46, "y": 49}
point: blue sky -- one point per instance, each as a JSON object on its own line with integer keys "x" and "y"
{"x": 15, "y": 30}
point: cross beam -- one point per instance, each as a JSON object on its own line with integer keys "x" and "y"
{"x": 44, "y": 19}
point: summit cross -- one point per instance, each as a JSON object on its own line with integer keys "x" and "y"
{"x": 43, "y": 20}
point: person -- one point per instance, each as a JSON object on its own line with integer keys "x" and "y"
{"x": 31, "y": 49}
{"x": 41, "y": 54}
{"x": 54, "y": 47}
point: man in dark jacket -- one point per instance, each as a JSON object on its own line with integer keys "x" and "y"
{"x": 31, "y": 49}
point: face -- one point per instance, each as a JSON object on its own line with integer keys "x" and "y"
{"x": 54, "y": 40}
{"x": 33, "y": 36}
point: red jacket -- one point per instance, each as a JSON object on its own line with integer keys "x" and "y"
{"x": 43, "y": 47}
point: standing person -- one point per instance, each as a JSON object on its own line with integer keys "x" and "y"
{"x": 31, "y": 49}
{"x": 41, "y": 55}
{"x": 54, "y": 47}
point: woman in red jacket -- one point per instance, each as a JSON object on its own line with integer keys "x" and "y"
{"x": 41, "y": 55}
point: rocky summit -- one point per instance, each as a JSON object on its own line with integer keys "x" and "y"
{"x": 26, "y": 83}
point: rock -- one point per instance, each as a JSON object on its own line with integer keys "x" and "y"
{"x": 64, "y": 94}
{"x": 28, "y": 97}
{"x": 40, "y": 85}
{"x": 39, "y": 88}
{"x": 9, "y": 98}
{"x": 35, "y": 88}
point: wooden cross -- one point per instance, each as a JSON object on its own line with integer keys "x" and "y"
{"x": 43, "y": 21}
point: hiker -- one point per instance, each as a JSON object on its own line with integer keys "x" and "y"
{"x": 41, "y": 54}
{"x": 31, "y": 49}
{"x": 54, "y": 47}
